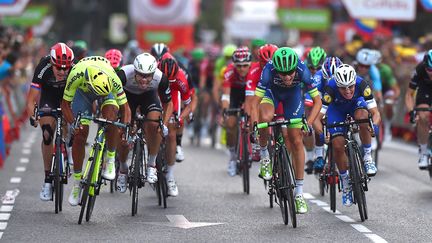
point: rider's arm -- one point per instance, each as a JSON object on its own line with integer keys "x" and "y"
{"x": 75, "y": 78}
{"x": 226, "y": 88}
{"x": 410, "y": 93}
{"x": 366, "y": 91}
{"x": 165, "y": 97}
{"x": 125, "y": 113}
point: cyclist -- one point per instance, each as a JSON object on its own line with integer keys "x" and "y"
{"x": 366, "y": 68}
{"x": 90, "y": 79}
{"x": 265, "y": 53}
{"x": 48, "y": 83}
{"x": 158, "y": 50}
{"x": 346, "y": 93}
{"x": 255, "y": 46}
{"x": 314, "y": 61}
{"x": 146, "y": 88}
{"x": 321, "y": 79}
{"x": 281, "y": 81}
{"x": 131, "y": 51}
{"x": 115, "y": 57}
{"x": 179, "y": 90}
{"x": 421, "y": 87}
{"x": 233, "y": 96}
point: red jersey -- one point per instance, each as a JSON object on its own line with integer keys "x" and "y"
{"x": 180, "y": 91}
{"x": 252, "y": 78}
{"x": 232, "y": 79}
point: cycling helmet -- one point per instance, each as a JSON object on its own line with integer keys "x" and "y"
{"x": 257, "y": 43}
{"x": 115, "y": 57}
{"x": 169, "y": 67}
{"x": 285, "y": 59}
{"x": 61, "y": 55}
{"x": 329, "y": 66}
{"x": 242, "y": 55}
{"x": 366, "y": 57}
{"x": 428, "y": 59}
{"x": 81, "y": 43}
{"x": 316, "y": 57}
{"x": 145, "y": 63}
{"x": 158, "y": 50}
{"x": 265, "y": 53}
{"x": 229, "y": 50}
{"x": 197, "y": 54}
{"x": 345, "y": 76}
{"x": 97, "y": 81}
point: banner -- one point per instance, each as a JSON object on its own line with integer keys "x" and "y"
{"x": 163, "y": 12}
{"x": 12, "y": 7}
{"x": 174, "y": 36}
{"x": 31, "y": 16}
{"x": 402, "y": 10}
{"x": 305, "y": 19}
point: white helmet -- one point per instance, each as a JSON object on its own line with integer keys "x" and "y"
{"x": 145, "y": 63}
{"x": 345, "y": 76}
{"x": 368, "y": 56}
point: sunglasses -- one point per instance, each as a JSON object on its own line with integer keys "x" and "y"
{"x": 242, "y": 65}
{"x": 61, "y": 68}
{"x": 144, "y": 75}
{"x": 286, "y": 73}
{"x": 351, "y": 87}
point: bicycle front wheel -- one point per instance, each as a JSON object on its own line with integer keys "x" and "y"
{"x": 245, "y": 164}
{"x": 136, "y": 158}
{"x": 57, "y": 181}
{"x": 289, "y": 176}
{"x": 280, "y": 182}
{"x": 356, "y": 180}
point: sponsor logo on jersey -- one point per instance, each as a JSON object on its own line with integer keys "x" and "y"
{"x": 74, "y": 78}
{"x": 327, "y": 98}
{"x": 42, "y": 72}
{"x": 367, "y": 91}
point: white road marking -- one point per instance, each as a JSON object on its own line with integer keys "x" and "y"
{"x": 331, "y": 211}
{"x": 4, "y": 216}
{"x": 27, "y": 145}
{"x": 26, "y": 151}
{"x": 20, "y": 169}
{"x": 179, "y": 221}
{"x": 9, "y": 197}
{"x": 319, "y": 202}
{"x": 3, "y": 225}
{"x": 15, "y": 180}
{"x": 361, "y": 228}
{"x": 375, "y": 238}
{"x": 1, "y": 234}
{"x": 6, "y": 208}
{"x": 344, "y": 218}
{"x": 24, "y": 160}
{"x": 308, "y": 196}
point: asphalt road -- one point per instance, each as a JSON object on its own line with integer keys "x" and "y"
{"x": 399, "y": 203}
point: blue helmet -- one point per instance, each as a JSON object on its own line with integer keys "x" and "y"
{"x": 329, "y": 66}
{"x": 428, "y": 59}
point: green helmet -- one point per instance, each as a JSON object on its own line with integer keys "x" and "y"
{"x": 257, "y": 43}
{"x": 228, "y": 50}
{"x": 81, "y": 44}
{"x": 198, "y": 54}
{"x": 285, "y": 59}
{"x": 316, "y": 57}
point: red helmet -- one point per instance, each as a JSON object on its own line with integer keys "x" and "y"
{"x": 169, "y": 67}
{"x": 242, "y": 55}
{"x": 115, "y": 57}
{"x": 265, "y": 53}
{"x": 61, "y": 55}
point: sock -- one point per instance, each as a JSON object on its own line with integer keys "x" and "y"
{"x": 232, "y": 153}
{"x": 423, "y": 149}
{"x": 319, "y": 151}
{"x": 47, "y": 177}
{"x": 367, "y": 149}
{"x": 170, "y": 172}
{"x": 110, "y": 156}
{"x": 264, "y": 153}
{"x": 77, "y": 176}
{"x": 152, "y": 160}
{"x": 299, "y": 187}
{"x": 345, "y": 178}
{"x": 124, "y": 167}
{"x": 310, "y": 155}
{"x": 179, "y": 139}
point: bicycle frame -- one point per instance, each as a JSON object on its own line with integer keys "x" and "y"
{"x": 98, "y": 145}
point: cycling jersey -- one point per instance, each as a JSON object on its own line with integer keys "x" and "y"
{"x": 45, "y": 81}
{"x": 252, "y": 78}
{"x": 180, "y": 90}
{"x": 337, "y": 107}
{"x": 159, "y": 83}
{"x": 76, "y": 79}
{"x": 421, "y": 82}
{"x": 387, "y": 78}
{"x": 273, "y": 90}
{"x": 236, "y": 84}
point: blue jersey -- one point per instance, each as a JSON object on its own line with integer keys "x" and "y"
{"x": 333, "y": 97}
{"x": 271, "y": 80}
{"x": 319, "y": 81}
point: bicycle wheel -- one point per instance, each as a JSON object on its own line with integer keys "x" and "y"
{"x": 289, "y": 176}
{"x": 281, "y": 187}
{"x": 333, "y": 194}
{"x": 136, "y": 158}
{"x": 356, "y": 180}
{"x": 322, "y": 184}
{"x": 86, "y": 186}
{"x": 56, "y": 170}
{"x": 271, "y": 194}
{"x": 245, "y": 164}
{"x": 161, "y": 183}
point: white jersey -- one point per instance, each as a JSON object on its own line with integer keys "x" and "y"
{"x": 131, "y": 84}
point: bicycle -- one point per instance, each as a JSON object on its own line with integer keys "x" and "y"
{"x": 243, "y": 146}
{"x": 282, "y": 183}
{"x": 138, "y": 167}
{"x": 413, "y": 114}
{"x": 92, "y": 175}
{"x": 358, "y": 178}
{"x": 161, "y": 184}
{"x": 59, "y": 165}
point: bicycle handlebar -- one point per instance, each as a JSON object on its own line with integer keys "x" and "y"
{"x": 413, "y": 113}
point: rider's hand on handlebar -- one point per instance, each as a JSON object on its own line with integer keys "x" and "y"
{"x": 33, "y": 121}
